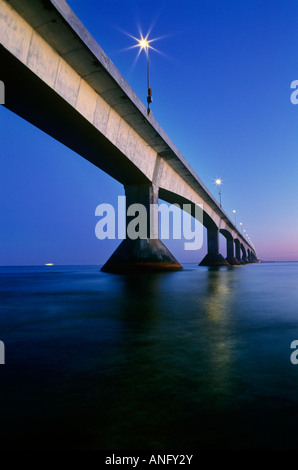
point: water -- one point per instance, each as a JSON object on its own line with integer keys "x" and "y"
{"x": 198, "y": 359}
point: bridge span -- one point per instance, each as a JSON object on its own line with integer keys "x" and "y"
{"x": 59, "y": 79}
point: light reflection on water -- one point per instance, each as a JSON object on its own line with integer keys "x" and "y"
{"x": 188, "y": 360}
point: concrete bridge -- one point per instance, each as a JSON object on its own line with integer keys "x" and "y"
{"x": 58, "y": 78}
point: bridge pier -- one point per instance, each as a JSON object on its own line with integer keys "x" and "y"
{"x": 230, "y": 252}
{"x": 213, "y": 257}
{"x": 231, "y": 259}
{"x": 238, "y": 251}
{"x": 244, "y": 255}
{"x": 252, "y": 257}
{"x": 141, "y": 250}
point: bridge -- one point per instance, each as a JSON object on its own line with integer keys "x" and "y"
{"x": 58, "y": 78}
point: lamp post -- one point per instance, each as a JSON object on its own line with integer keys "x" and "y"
{"x": 240, "y": 223}
{"x": 143, "y": 43}
{"x": 234, "y": 212}
{"x": 218, "y": 182}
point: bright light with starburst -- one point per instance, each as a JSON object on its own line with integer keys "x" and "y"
{"x": 143, "y": 43}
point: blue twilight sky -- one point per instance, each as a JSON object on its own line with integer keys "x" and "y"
{"x": 221, "y": 91}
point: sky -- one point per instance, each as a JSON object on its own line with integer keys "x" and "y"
{"x": 221, "y": 91}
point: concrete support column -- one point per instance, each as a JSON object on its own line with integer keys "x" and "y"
{"x": 230, "y": 252}
{"x": 244, "y": 255}
{"x": 213, "y": 241}
{"x": 147, "y": 196}
{"x": 230, "y": 248}
{"x": 213, "y": 257}
{"x": 141, "y": 250}
{"x": 238, "y": 251}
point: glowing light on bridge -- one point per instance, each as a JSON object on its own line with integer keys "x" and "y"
{"x": 144, "y": 44}
{"x": 218, "y": 182}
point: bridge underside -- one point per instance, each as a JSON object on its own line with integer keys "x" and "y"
{"x": 32, "y": 99}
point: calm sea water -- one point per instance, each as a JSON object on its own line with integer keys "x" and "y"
{"x": 198, "y": 359}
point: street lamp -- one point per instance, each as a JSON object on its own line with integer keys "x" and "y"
{"x": 143, "y": 43}
{"x": 240, "y": 223}
{"x": 234, "y": 212}
{"x": 218, "y": 182}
